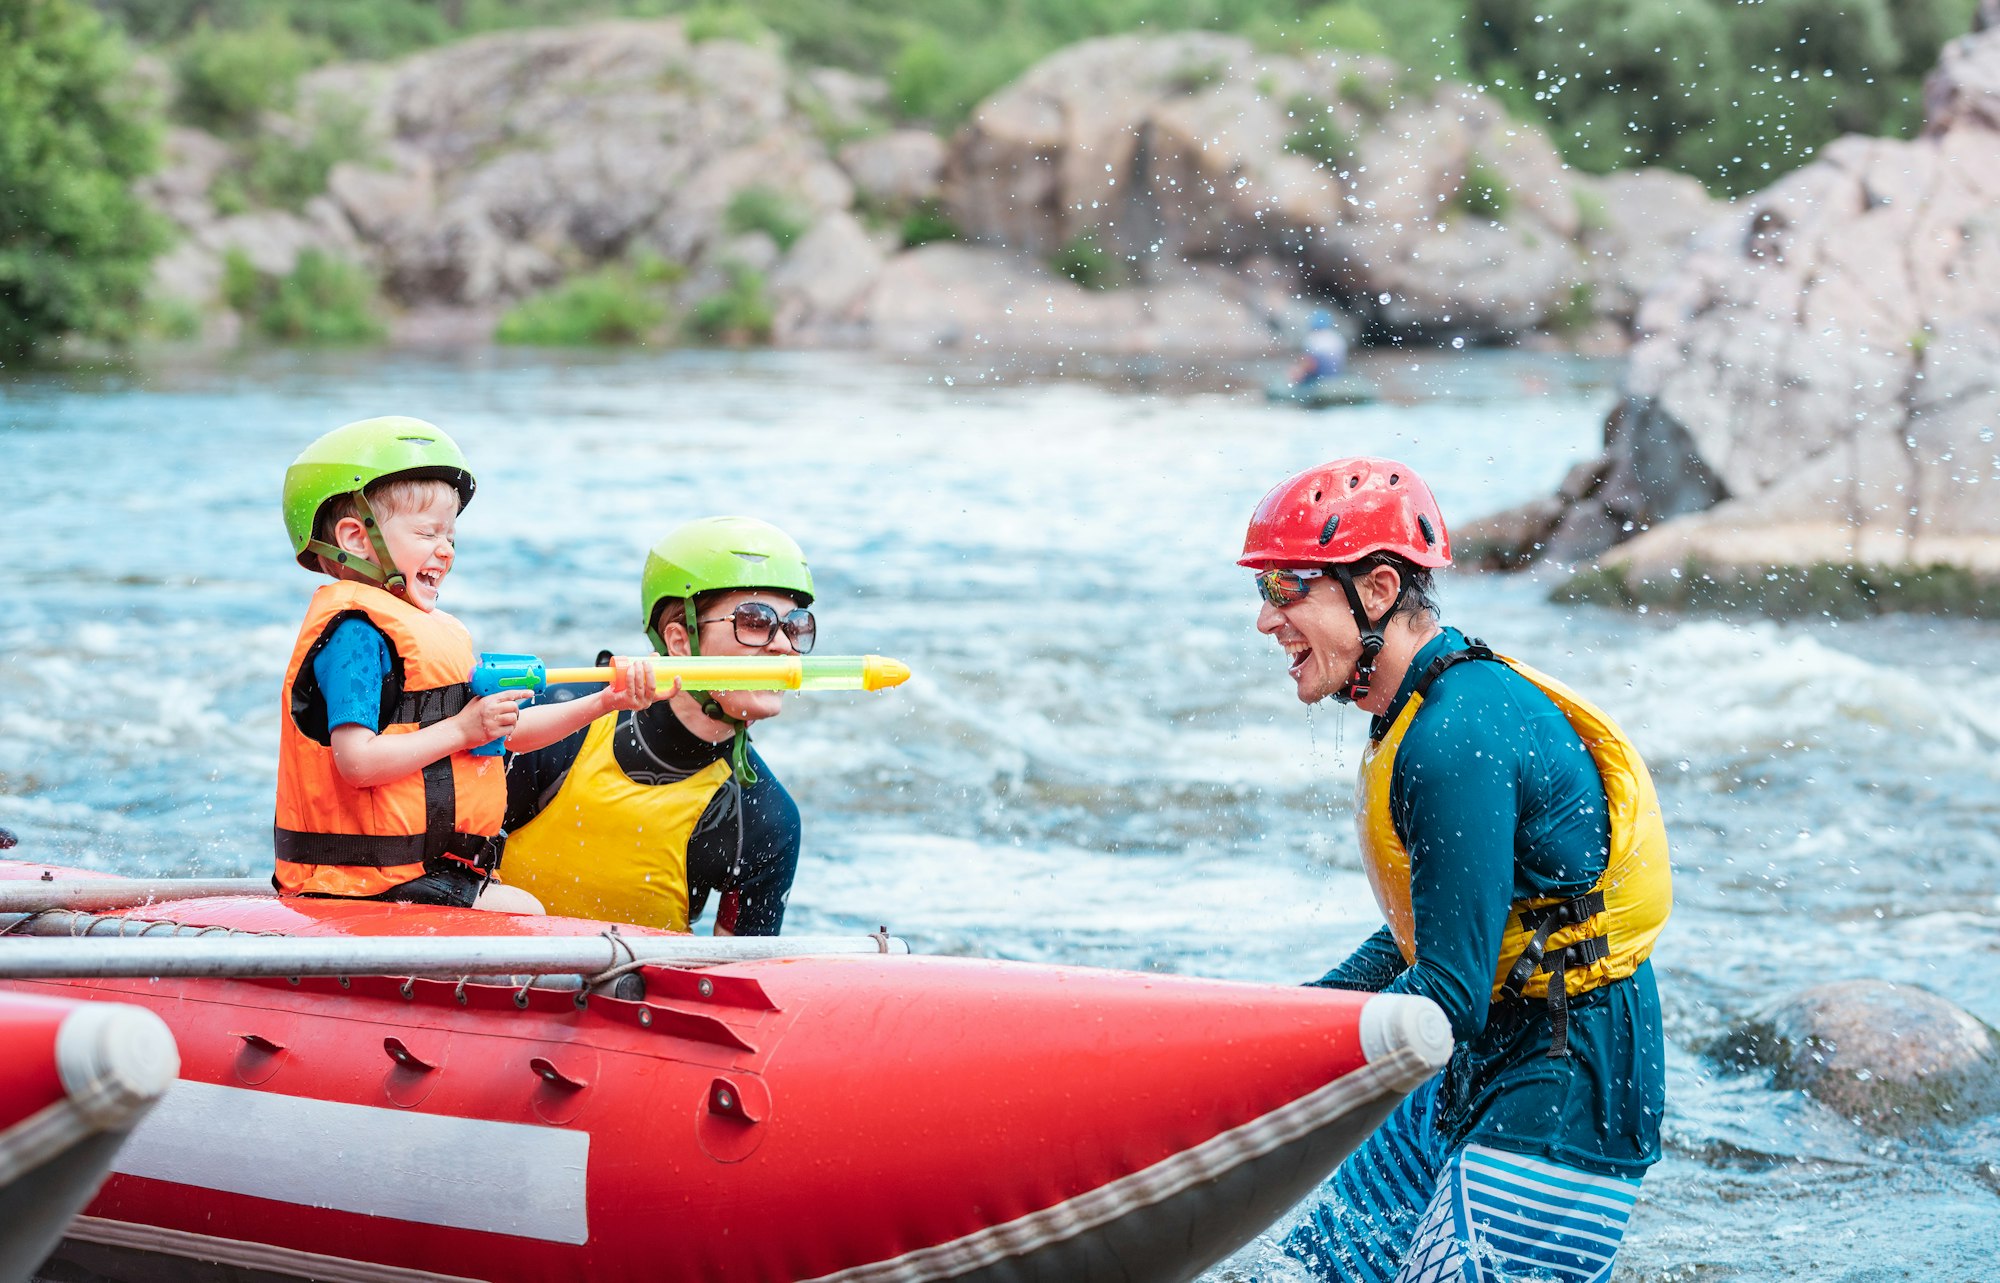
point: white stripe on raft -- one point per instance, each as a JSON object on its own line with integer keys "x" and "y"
{"x": 466, "y": 1173}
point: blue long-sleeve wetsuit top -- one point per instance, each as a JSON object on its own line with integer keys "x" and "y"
{"x": 1497, "y": 800}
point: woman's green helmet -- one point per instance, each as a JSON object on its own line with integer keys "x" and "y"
{"x": 719, "y": 553}
{"x": 349, "y": 459}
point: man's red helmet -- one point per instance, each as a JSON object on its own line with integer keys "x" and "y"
{"x": 1341, "y": 511}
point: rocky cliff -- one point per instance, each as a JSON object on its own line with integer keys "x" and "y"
{"x": 1420, "y": 205}
{"x": 1213, "y": 187}
{"x": 1818, "y": 382}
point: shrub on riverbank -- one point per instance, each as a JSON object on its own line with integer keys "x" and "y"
{"x": 738, "y": 314}
{"x": 281, "y": 174}
{"x": 1826, "y": 589}
{"x": 763, "y": 209}
{"x": 927, "y": 223}
{"x": 321, "y": 300}
{"x": 612, "y": 305}
{"x": 75, "y": 244}
{"x": 1090, "y": 265}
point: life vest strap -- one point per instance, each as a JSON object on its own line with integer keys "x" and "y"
{"x": 1536, "y": 955}
{"x": 368, "y": 851}
{"x": 429, "y": 707}
{"x": 1473, "y": 649}
{"x": 354, "y": 850}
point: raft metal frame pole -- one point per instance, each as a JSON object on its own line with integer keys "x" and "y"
{"x": 44, "y": 958}
{"x": 97, "y": 894}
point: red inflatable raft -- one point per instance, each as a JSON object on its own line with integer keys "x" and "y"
{"x": 74, "y": 1078}
{"x": 848, "y": 1117}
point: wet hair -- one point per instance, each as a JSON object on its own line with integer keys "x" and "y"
{"x": 386, "y": 498}
{"x": 672, "y": 610}
{"x": 1419, "y": 597}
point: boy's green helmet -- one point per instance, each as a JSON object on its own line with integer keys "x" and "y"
{"x": 349, "y": 459}
{"x": 715, "y": 553}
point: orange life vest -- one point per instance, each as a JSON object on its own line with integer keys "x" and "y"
{"x": 333, "y": 838}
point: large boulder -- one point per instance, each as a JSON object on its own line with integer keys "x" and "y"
{"x": 1888, "y": 1056}
{"x": 585, "y": 143}
{"x": 1424, "y": 207}
{"x": 896, "y": 170}
{"x": 497, "y": 165}
{"x": 1813, "y": 383}
{"x": 818, "y": 289}
{"x": 948, "y": 297}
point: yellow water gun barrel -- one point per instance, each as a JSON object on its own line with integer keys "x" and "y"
{"x": 760, "y": 672}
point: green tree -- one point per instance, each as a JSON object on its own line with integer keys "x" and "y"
{"x": 75, "y": 245}
{"x": 228, "y": 78}
{"x": 1732, "y": 93}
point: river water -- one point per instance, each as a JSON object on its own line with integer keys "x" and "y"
{"x": 1099, "y": 761}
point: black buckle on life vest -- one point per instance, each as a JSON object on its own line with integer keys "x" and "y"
{"x": 474, "y": 851}
{"x": 1537, "y": 956}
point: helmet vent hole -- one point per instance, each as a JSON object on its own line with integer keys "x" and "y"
{"x": 1353, "y": 482}
{"x": 1430, "y": 535}
{"x": 1316, "y": 496}
{"x": 1395, "y": 477}
{"x": 1326, "y": 533}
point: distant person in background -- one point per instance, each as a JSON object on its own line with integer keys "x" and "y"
{"x": 1515, "y": 846}
{"x": 641, "y": 816}
{"x": 1325, "y": 352}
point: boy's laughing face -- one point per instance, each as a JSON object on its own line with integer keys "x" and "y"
{"x": 420, "y": 540}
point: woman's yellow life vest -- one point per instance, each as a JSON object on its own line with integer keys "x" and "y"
{"x": 332, "y": 838}
{"x": 1625, "y": 909}
{"x": 608, "y": 847}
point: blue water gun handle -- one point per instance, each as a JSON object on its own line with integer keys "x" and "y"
{"x": 496, "y": 673}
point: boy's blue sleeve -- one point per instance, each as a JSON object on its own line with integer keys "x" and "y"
{"x": 351, "y": 668}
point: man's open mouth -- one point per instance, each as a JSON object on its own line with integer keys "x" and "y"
{"x": 1299, "y": 657}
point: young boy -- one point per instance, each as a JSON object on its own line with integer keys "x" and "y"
{"x": 379, "y": 793}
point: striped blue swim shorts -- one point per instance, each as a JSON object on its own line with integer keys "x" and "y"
{"x": 1398, "y": 1212}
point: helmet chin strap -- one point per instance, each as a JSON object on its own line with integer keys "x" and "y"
{"x": 739, "y": 747}
{"x": 1363, "y": 678}
{"x": 382, "y": 571}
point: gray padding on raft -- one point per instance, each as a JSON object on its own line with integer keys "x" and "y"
{"x": 1175, "y": 1240}
{"x": 35, "y": 1208}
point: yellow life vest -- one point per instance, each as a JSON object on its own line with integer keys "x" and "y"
{"x": 609, "y": 847}
{"x": 1594, "y": 938}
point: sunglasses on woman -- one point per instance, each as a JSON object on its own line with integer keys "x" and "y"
{"x": 755, "y": 624}
{"x": 1284, "y": 588}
